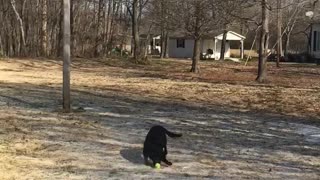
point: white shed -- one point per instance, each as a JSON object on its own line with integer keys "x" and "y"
{"x": 231, "y": 36}
{"x": 210, "y": 46}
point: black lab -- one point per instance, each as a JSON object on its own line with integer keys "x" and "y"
{"x": 155, "y": 145}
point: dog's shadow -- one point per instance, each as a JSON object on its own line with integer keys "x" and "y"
{"x": 133, "y": 155}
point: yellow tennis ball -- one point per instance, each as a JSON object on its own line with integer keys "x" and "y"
{"x": 157, "y": 166}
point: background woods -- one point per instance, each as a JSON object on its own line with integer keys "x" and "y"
{"x": 34, "y": 27}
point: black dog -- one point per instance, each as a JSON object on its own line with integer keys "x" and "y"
{"x": 155, "y": 145}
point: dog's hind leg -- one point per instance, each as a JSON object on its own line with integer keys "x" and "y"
{"x": 164, "y": 157}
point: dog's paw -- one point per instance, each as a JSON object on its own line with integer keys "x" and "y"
{"x": 168, "y": 162}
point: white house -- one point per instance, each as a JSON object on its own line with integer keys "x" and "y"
{"x": 181, "y": 46}
{"x": 315, "y": 41}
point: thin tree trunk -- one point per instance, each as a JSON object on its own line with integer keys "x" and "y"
{"x": 223, "y": 44}
{"x": 66, "y": 57}
{"x": 53, "y": 32}
{"x": 10, "y": 45}
{"x": 287, "y": 45}
{"x": 107, "y": 27}
{"x": 44, "y": 33}
{"x": 279, "y": 33}
{"x": 82, "y": 39}
{"x": 196, "y": 56}
{"x": 13, "y": 4}
{"x": 22, "y": 15}
{"x": 60, "y": 35}
{"x": 264, "y": 43}
{"x": 196, "y": 49}
{"x": 2, "y": 33}
{"x": 115, "y": 11}
{"x": 98, "y": 33}
{"x": 135, "y": 29}
{"x": 26, "y": 14}
{"x": 1, "y": 47}
{"x": 163, "y": 28}
{"x": 162, "y": 43}
{"x": 72, "y": 24}
{"x": 166, "y": 53}
{"x": 146, "y": 44}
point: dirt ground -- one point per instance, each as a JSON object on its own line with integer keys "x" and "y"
{"x": 233, "y": 127}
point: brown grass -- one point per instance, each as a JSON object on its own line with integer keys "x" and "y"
{"x": 238, "y": 128}
{"x": 292, "y": 89}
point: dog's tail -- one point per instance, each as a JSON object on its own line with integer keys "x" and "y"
{"x": 173, "y": 135}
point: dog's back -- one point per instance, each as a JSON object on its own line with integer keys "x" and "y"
{"x": 156, "y": 141}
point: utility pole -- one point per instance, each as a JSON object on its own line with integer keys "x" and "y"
{"x": 66, "y": 56}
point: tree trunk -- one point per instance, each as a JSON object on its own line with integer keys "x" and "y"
{"x": 163, "y": 28}
{"x": 98, "y": 32}
{"x": 13, "y": 5}
{"x": 163, "y": 38}
{"x": 66, "y": 57}
{"x": 264, "y": 43}
{"x": 112, "y": 28}
{"x": 135, "y": 31}
{"x": 72, "y": 24}
{"x": 1, "y": 47}
{"x": 279, "y": 26}
{"x": 44, "y": 33}
{"x": 2, "y": 33}
{"x": 196, "y": 56}
{"x": 223, "y": 44}
{"x": 287, "y": 45}
{"x": 23, "y": 38}
{"x": 60, "y": 34}
{"x": 166, "y": 53}
{"x": 106, "y": 29}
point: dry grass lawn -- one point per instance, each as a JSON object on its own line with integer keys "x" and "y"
{"x": 234, "y": 128}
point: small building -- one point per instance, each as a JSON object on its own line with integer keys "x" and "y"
{"x": 315, "y": 41}
{"x": 181, "y": 46}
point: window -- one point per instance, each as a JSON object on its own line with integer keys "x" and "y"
{"x": 316, "y": 40}
{"x": 180, "y": 43}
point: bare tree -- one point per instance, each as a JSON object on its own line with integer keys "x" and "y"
{"x": 44, "y": 33}
{"x": 135, "y": 30}
{"x": 18, "y": 16}
{"x": 196, "y": 19}
{"x": 162, "y": 14}
{"x": 223, "y": 43}
{"x": 264, "y": 42}
{"x": 101, "y": 15}
{"x": 279, "y": 33}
